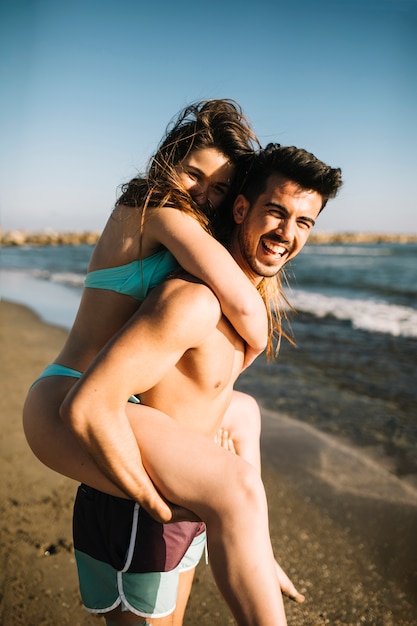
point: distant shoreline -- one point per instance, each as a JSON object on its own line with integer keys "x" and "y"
{"x": 75, "y": 238}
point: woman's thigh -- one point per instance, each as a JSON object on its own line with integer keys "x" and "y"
{"x": 189, "y": 469}
{"x": 51, "y": 440}
{"x": 182, "y": 464}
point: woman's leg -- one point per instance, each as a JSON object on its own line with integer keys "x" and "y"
{"x": 223, "y": 490}
{"x": 52, "y": 442}
{"x": 240, "y": 433}
{"x": 241, "y": 425}
{"x": 227, "y": 493}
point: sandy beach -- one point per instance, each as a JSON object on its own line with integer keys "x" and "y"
{"x": 343, "y": 527}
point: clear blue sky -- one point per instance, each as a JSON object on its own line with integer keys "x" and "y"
{"x": 88, "y": 86}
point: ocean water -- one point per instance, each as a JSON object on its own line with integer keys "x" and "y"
{"x": 372, "y": 286}
{"x": 354, "y": 370}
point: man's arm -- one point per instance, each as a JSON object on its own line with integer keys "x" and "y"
{"x": 175, "y": 317}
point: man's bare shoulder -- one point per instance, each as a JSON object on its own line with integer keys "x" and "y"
{"x": 192, "y": 292}
{"x": 185, "y": 300}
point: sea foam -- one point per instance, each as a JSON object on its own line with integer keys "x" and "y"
{"x": 370, "y": 315}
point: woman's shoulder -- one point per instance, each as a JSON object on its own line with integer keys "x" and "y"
{"x": 120, "y": 241}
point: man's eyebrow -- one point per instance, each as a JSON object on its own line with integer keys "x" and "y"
{"x": 277, "y": 205}
{"x": 307, "y": 219}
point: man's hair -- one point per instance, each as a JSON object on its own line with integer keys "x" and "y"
{"x": 304, "y": 169}
{"x": 293, "y": 163}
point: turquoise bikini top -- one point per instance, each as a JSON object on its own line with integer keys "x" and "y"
{"x": 135, "y": 279}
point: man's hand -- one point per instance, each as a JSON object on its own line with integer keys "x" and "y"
{"x": 153, "y": 503}
{"x": 158, "y": 507}
{"x": 181, "y": 514}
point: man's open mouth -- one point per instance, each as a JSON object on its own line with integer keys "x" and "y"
{"x": 274, "y": 248}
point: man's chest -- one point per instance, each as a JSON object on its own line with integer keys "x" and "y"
{"x": 217, "y": 362}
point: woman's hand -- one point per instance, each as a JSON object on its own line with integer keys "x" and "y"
{"x": 223, "y": 439}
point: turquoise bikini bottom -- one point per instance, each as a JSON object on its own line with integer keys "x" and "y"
{"x": 54, "y": 369}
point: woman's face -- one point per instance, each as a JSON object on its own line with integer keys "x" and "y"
{"x": 206, "y": 174}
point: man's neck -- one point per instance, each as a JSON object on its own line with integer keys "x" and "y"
{"x": 234, "y": 250}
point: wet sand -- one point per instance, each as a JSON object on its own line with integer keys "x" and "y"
{"x": 342, "y": 526}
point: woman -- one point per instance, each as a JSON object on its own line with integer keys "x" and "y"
{"x": 192, "y": 171}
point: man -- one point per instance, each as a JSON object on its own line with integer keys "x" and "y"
{"x": 183, "y": 357}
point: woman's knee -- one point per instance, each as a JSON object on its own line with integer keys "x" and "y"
{"x": 241, "y": 490}
{"x": 243, "y": 415}
{"x": 248, "y": 486}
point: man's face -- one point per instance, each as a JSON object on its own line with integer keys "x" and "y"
{"x": 275, "y": 228}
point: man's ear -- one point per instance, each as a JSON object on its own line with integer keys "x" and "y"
{"x": 240, "y": 208}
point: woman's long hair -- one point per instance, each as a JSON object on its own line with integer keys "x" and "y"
{"x": 218, "y": 124}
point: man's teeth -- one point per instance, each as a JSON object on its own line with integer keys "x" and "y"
{"x": 274, "y": 249}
